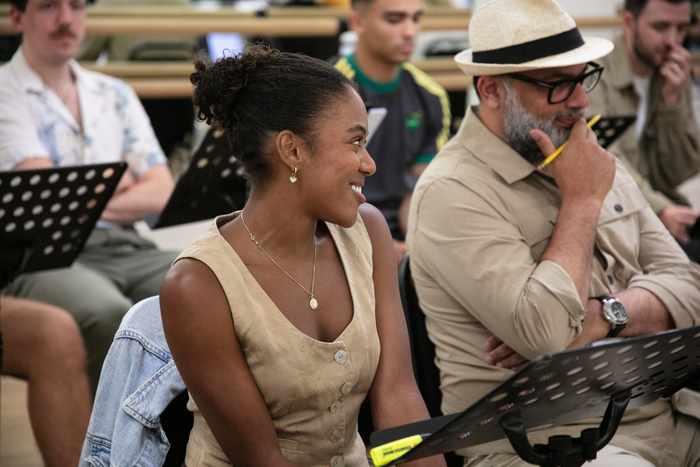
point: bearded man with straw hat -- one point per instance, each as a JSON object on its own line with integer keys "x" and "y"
{"x": 511, "y": 262}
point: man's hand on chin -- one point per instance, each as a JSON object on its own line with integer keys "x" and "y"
{"x": 676, "y": 71}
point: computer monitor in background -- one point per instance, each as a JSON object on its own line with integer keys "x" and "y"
{"x": 224, "y": 44}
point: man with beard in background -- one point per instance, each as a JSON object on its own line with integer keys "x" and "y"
{"x": 508, "y": 260}
{"x": 649, "y": 75}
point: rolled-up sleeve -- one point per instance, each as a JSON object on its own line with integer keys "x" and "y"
{"x": 483, "y": 261}
{"x": 667, "y": 271}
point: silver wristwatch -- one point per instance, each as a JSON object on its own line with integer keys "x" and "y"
{"x": 615, "y": 312}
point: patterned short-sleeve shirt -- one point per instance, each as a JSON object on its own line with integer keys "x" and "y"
{"x": 34, "y": 122}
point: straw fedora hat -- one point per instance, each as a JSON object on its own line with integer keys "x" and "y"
{"x": 508, "y": 36}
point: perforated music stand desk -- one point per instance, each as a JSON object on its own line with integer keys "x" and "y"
{"x": 562, "y": 388}
{"x": 610, "y": 127}
{"x": 47, "y": 214}
{"x": 211, "y": 186}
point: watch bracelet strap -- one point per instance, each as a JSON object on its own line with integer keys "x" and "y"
{"x": 616, "y": 330}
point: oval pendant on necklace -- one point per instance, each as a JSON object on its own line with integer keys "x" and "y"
{"x": 313, "y": 303}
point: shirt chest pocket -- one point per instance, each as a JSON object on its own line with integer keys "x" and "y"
{"x": 618, "y": 225}
{"x": 536, "y": 227}
{"x": 620, "y": 204}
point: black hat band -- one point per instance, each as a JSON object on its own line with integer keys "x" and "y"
{"x": 533, "y": 50}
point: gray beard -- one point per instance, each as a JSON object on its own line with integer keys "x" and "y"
{"x": 518, "y": 123}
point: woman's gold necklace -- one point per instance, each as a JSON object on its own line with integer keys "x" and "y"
{"x": 313, "y": 303}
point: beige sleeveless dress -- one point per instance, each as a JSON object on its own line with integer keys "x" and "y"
{"x": 312, "y": 389}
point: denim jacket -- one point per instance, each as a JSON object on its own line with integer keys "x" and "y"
{"x": 138, "y": 381}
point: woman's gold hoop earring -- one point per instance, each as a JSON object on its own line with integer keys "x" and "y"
{"x": 293, "y": 177}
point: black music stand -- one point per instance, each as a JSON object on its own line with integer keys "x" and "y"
{"x": 211, "y": 186}
{"x": 610, "y": 127}
{"x": 564, "y": 387}
{"x": 46, "y": 215}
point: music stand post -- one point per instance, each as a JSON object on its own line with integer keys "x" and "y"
{"x": 560, "y": 388}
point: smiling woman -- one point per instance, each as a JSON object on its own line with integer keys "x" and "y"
{"x": 276, "y": 316}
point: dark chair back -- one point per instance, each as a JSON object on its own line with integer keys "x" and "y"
{"x": 422, "y": 350}
{"x": 177, "y": 423}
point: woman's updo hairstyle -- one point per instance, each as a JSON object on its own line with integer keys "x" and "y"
{"x": 262, "y": 91}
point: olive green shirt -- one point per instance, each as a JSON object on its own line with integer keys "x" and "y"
{"x": 668, "y": 151}
{"x": 481, "y": 217}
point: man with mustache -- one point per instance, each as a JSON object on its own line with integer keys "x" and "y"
{"x": 54, "y": 113}
{"x": 511, "y": 262}
{"x": 648, "y": 75}
{"x": 418, "y": 118}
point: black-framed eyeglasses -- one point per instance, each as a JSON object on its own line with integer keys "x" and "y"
{"x": 561, "y": 90}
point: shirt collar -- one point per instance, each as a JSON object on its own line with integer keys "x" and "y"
{"x": 374, "y": 86}
{"x": 82, "y": 77}
{"x": 30, "y": 79}
{"x": 491, "y": 150}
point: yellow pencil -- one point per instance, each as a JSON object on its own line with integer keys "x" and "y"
{"x": 551, "y": 157}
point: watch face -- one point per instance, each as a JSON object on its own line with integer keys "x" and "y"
{"x": 616, "y": 311}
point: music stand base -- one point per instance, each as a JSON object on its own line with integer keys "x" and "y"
{"x": 563, "y": 450}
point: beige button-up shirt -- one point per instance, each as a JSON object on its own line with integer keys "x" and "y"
{"x": 668, "y": 152}
{"x": 480, "y": 218}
